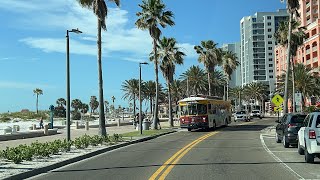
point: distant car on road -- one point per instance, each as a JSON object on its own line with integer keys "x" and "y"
{"x": 288, "y": 127}
{"x": 309, "y": 137}
{"x": 241, "y": 116}
{"x": 256, "y": 113}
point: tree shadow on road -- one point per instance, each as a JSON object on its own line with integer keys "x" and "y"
{"x": 179, "y": 164}
{"x": 249, "y": 127}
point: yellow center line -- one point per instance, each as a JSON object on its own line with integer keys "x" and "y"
{"x": 154, "y": 176}
{"x": 167, "y": 171}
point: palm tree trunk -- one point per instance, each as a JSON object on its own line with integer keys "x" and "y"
{"x": 288, "y": 64}
{"x": 155, "y": 117}
{"x": 102, "y": 122}
{"x": 209, "y": 83}
{"x": 37, "y": 103}
{"x": 134, "y": 108}
{"x": 293, "y": 87}
{"x": 170, "y": 104}
{"x": 151, "y": 105}
{"x": 227, "y": 90}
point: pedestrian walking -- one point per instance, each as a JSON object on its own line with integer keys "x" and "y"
{"x": 41, "y": 123}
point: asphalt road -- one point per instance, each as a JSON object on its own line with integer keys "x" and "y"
{"x": 234, "y": 152}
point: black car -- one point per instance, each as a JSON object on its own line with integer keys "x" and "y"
{"x": 288, "y": 127}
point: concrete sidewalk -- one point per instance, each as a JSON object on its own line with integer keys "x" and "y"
{"x": 74, "y": 134}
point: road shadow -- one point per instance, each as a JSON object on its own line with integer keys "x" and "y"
{"x": 249, "y": 127}
{"x": 179, "y": 164}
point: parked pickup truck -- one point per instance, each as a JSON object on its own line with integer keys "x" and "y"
{"x": 309, "y": 137}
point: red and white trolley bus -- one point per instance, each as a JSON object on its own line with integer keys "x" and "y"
{"x": 204, "y": 112}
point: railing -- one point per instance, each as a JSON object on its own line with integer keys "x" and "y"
{"x": 308, "y": 13}
{"x": 307, "y": 4}
{"x": 308, "y": 51}
{"x": 315, "y": 59}
{"x": 314, "y": 48}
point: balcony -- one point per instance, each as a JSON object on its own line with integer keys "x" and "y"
{"x": 307, "y": 4}
{"x": 315, "y": 59}
{"x": 314, "y": 49}
{"x": 308, "y": 51}
{"x": 308, "y": 13}
{"x": 308, "y": 61}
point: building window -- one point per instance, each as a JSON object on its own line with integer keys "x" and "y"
{"x": 270, "y": 71}
{"x": 269, "y": 30}
{"x": 269, "y": 48}
{"x": 270, "y": 77}
{"x": 270, "y": 65}
{"x": 270, "y": 54}
{"x": 269, "y": 36}
{"x": 269, "y": 23}
{"x": 269, "y": 42}
{"x": 270, "y": 59}
{"x": 269, "y": 17}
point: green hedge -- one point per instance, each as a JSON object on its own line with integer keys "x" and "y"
{"x": 36, "y": 149}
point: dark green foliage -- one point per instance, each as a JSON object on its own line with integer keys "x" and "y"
{"x": 60, "y": 111}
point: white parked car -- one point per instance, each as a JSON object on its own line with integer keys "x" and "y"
{"x": 309, "y": 137}
{"x": 241, "y": 116}
{"x": 256, "y": 113}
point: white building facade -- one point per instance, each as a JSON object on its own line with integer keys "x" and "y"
{"x": 236, "y": 75}
{"x": 257, "y": 44}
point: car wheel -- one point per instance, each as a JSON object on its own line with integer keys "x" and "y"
{"x": 300, "y": 150}
{"x": 285, "y": 143}
{"x": 309, "y": 158}
{"x": 214, "y": 126}
{"x": 189, "y": 129}
{"x": 277, "y": 138}
{"x": 260, "y": 117}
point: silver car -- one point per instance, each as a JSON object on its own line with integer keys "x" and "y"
{"x": 241, "y": 116}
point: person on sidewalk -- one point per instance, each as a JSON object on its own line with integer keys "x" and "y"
{"x": 41, "y": 123}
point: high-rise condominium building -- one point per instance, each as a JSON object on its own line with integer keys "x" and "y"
{"x": 257, "y": 47}
{"x": 236, "y": 75}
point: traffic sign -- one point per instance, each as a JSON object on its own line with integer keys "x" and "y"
{"x": 277, "y": 100}
{"x": 278, "y": 109}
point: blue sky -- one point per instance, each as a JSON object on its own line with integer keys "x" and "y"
{"x": 33, "y": 45}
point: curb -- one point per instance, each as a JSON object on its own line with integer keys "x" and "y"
{"x": 45, "y": 169}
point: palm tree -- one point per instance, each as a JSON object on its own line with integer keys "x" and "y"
{"x": 297, "y": 39}
{"x": 152, "y": 15}
{"x": 84, "y": 108}
{"x": 100, "y": 9}
{"x": 218, "y": 81}
{"x": 177, "y": 90}
{"x": 195, "y": 80}
{"x": 37, "y": 92}
{"x": 305, "y": 82}
{"x": 106, "y": 104}
{"x": 149, "y": 91}
{"x": 76, "y": 104}
{"x": 94, "y": 104}
{"x": 292, "y": 7}
{"x": 170, "y": 56}
{"x": 235, "y": 93}
{"x": 257, "y": 91}
{"x": 210, "y": 56}
{"x": 61, "y": 102}
{"x": 131, "y": 92}
{"x": 229, "y": 65}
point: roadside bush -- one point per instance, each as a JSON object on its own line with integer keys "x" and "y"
{"x": 60, "y": 112}
{"x": 5, "y": 119}
{"x": 96, "y": 140}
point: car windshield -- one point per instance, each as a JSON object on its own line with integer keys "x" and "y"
{"x": 298, "y": 118}
{"x": 256, "y": 111}
{"x": 241, "y": 112}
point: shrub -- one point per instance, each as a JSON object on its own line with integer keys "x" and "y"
{"x": 5, "y": 119}
{"x": 95, "y": 140}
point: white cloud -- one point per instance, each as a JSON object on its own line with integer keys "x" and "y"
{"x": 59, "y": 15}
{"x": 188, "y": 49}
{"x": 21, "y": 85}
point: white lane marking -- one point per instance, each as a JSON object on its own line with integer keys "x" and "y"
{"x": 298, "y": 176}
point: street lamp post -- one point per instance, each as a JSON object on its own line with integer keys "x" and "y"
{"x": 140, "y": 103}
{"x": 77, "y": 31}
